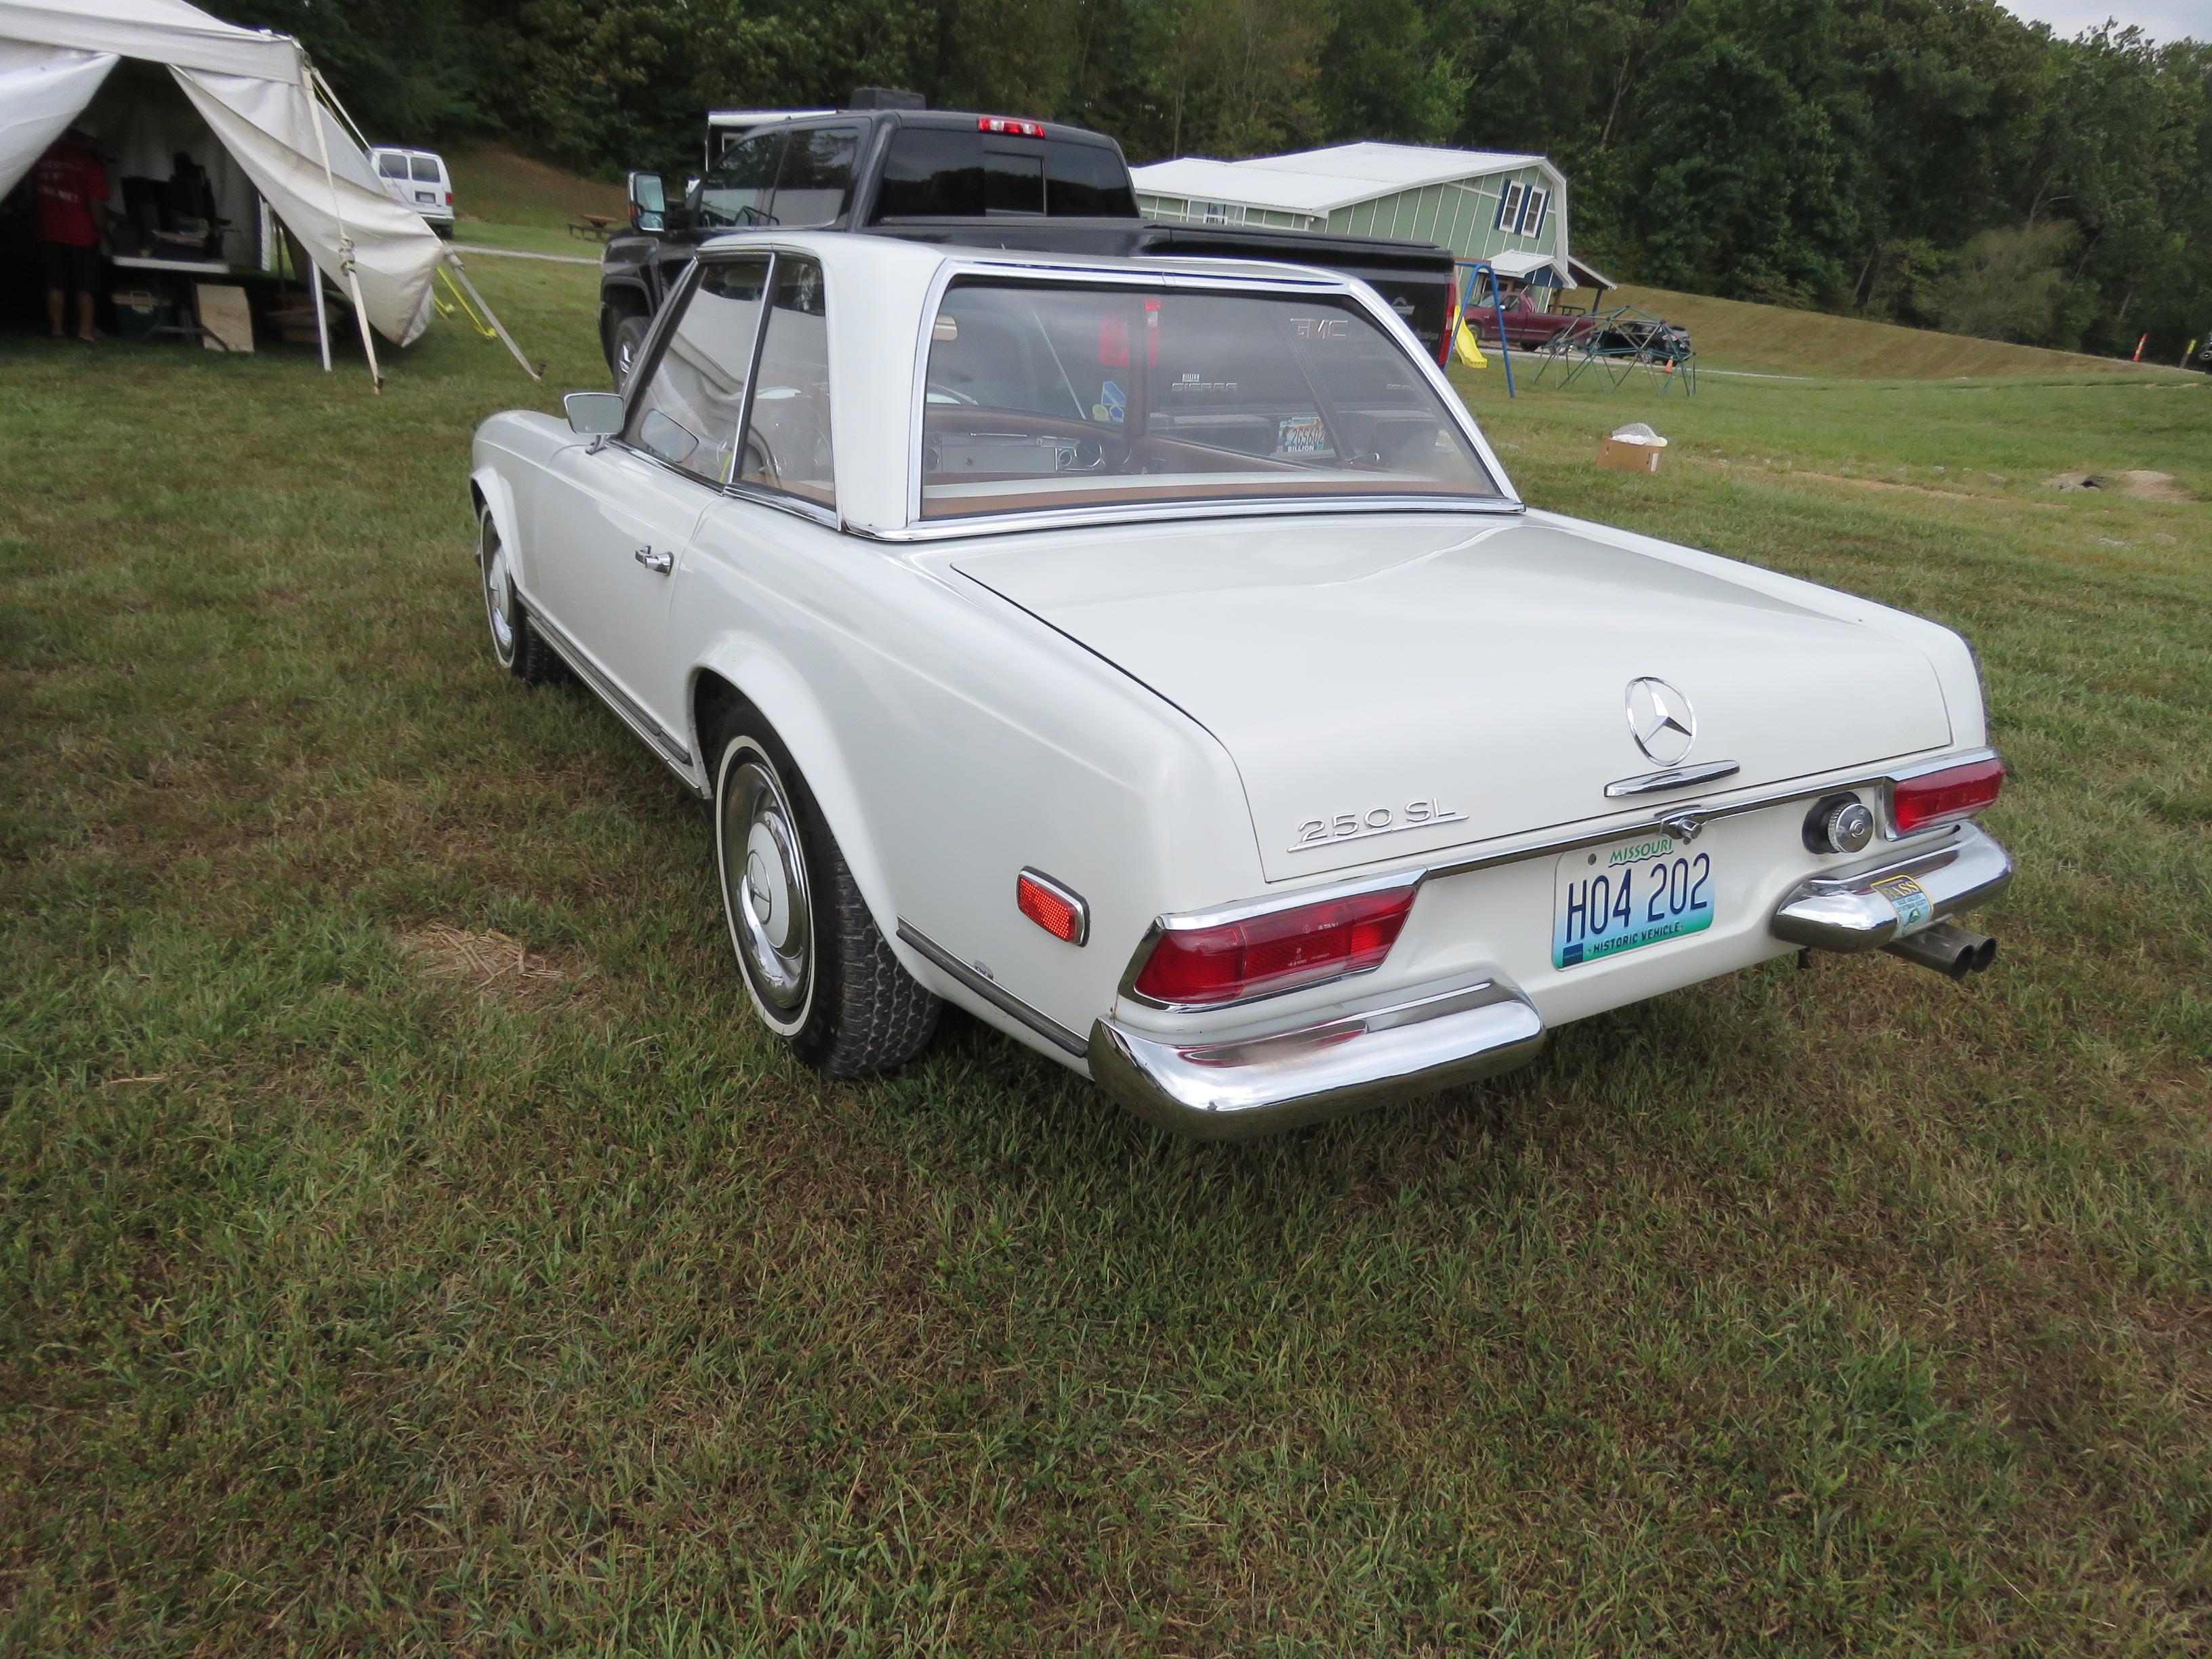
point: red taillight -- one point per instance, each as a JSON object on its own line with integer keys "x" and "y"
{"x": 1059, "y": 912}
{"x": 1451, "y": 325}
{"x": 1956, "y": 792}
{"x": 1010, "y": 126}
{"x": 1276, "y": 951}
{"x": 449, "y": 198}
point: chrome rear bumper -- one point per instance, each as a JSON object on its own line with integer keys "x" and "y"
{"x": 1873, "y": 904}
{"x": 1228, "y": 1087}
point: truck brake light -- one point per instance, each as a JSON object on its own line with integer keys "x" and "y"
{"x": 1277, "y": 950}
{"x": 1010, "y": 126}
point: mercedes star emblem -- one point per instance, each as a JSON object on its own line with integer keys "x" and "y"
{"x": 1661, "y": 720}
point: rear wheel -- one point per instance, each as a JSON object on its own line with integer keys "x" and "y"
{"x": 816, "y": 966}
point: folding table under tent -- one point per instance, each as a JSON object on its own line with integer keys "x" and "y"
{"x": 274, "y": 117}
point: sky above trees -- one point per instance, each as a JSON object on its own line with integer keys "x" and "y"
{"x": 2161, "y": 20}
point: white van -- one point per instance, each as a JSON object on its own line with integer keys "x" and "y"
{"x": 418, "y": 178}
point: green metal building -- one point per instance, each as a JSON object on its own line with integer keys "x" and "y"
{"x": 1483, "y": 204}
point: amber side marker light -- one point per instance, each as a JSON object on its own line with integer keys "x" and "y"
{"x": 1277, "y": 951}
{"x": 1060, "y": 910}
{"x": 1945, "y": 797}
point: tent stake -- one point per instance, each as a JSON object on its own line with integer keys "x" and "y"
{"x": 492, "y": 317}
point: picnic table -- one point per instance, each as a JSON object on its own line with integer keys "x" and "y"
{"x": 597, "y": 226}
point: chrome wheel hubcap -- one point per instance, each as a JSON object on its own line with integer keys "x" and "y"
{"x": 764, "y": 879}
{"x": 499, "y": 599}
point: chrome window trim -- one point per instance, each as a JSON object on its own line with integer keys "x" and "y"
{"x": 992, "y": 993}
{"x": 1060, "y": 890}
{"x": 758, "y": 495}
{"x": 1258, "y": 507}
{"x": 1508, "y": 498}
{"x": 1672, "y": 822}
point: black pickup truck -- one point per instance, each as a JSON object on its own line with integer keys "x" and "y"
{"x": 980, "y": 180}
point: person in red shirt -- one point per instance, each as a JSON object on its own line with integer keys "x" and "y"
{"x": 71, "y": 185}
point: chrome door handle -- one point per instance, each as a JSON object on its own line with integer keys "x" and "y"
{"x": 658, "y": 563}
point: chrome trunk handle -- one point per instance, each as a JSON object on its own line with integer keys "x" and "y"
{"x": 659, "y": 564}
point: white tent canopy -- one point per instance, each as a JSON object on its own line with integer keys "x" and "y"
{"x": 257, "y": 93}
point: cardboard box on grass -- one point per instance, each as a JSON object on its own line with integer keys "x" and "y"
{"x": 1634, "y": 448}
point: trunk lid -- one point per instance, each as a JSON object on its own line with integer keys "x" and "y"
{"x": 1362, "y": 666}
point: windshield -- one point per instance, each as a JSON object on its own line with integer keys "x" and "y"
{"x": 1045, "y": 396}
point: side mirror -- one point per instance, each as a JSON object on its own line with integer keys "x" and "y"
{"x": 648, "y": 201}
{"x": 593, "y": 414}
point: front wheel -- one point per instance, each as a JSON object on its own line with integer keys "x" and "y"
{"x": 516, "y": 644}
{"x": 816, "y": 966}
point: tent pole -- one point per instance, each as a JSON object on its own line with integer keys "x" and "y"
{"x": 322, "y": 316}
{"x": 345, "y": 242}
{"x": 452, "y": 258}
{"x": 454, "y": 261}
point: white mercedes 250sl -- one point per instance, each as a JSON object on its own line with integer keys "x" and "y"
{"x": 1154, "y": 659}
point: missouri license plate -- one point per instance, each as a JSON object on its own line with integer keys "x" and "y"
{"x": 1607, "y": 900}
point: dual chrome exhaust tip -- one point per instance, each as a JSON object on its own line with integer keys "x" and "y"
{"x": 1950, "y": 950}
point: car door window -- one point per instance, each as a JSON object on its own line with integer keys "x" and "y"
{"x": 426, "y": 170}
{"x": 788, "y": 444}
{"x": 737, "y": 191}
{"x": 391, "y": 166}
{"x": 815, "y": 184}
{"x": 688, "y": 412}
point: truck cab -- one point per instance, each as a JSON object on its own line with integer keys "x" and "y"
{"x": 955, "y": 177}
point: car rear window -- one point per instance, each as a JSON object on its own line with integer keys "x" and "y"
{"x": 942, "y": 172}
{"x": 391, "y": 166}
{"x": 427, "y": 170}
{"x": 1043, "y": 396}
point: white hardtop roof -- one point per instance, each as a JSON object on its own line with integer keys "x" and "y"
{"x": 1322, "y": 180}
{"x": 898, "y": 258}
{"x": 879, "y": 289}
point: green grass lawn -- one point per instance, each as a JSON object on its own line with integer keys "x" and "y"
{"x": 411, "y": 1244}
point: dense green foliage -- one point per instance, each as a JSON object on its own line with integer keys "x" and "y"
{"x": 1834, "y": 153}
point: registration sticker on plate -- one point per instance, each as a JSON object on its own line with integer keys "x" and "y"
{"x": 1610, "y": 899}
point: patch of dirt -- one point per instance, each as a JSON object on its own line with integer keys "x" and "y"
{"x": 490, "y": 964}
{"x": 2141, "y": 482}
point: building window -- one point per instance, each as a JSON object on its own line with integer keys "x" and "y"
{"x": 1217, "y": 213}
{"x": 1509, "y": 206}
{"x": 1532, "y": 211}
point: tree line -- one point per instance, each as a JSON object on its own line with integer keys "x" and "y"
{"x": 1936, "y": 162}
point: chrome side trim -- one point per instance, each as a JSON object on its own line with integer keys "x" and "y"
{"x": 1673, "y": 777}
{"x": 1681, "y": 821}
{"x": 1230, "y": 1086}
{"x": 999, "y": 998}
{"x": 663, "y": 743}
{"x": 1848, "y": 909}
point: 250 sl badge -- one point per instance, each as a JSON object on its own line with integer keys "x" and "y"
{"x": 1374, "y": 821}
